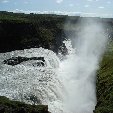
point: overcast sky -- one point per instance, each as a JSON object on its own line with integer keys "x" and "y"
{"x": 84, "y": 6}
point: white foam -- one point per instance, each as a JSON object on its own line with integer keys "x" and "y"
{"x": 21, "y": 81}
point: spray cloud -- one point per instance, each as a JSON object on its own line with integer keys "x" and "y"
{"x": 78, "y": 71}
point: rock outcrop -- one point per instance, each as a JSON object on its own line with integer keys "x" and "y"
{"x": 9, "y": 106}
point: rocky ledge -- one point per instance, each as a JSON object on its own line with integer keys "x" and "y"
{"x": 9, "y": 106}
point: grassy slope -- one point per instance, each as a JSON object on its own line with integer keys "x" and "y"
{"x": 105, "y": 83}
{"x": 8, "y": 106}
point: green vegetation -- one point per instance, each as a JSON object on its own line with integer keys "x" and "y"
{"x": 8, "y": 106}
{"x": 19, "y": 31}
{"x": 105, "y": 83}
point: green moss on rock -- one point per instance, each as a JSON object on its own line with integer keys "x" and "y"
{"x": 9, "y": 106}
{"x": 105, "y": 84}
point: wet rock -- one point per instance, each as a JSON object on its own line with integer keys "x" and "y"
{"x": 17, "y": 60}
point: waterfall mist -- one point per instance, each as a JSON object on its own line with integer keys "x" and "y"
{"x": 78, "y": 71}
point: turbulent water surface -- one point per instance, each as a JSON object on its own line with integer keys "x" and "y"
{"x": 30, "y": 82}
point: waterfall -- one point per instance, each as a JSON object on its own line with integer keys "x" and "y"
{"x": 37, "y": 76}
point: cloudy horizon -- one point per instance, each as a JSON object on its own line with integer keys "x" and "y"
{"x": 69, "y": 7}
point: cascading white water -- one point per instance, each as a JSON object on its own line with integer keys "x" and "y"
{"x": 78, "y": 71}
{"x": 67, "y": 86}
